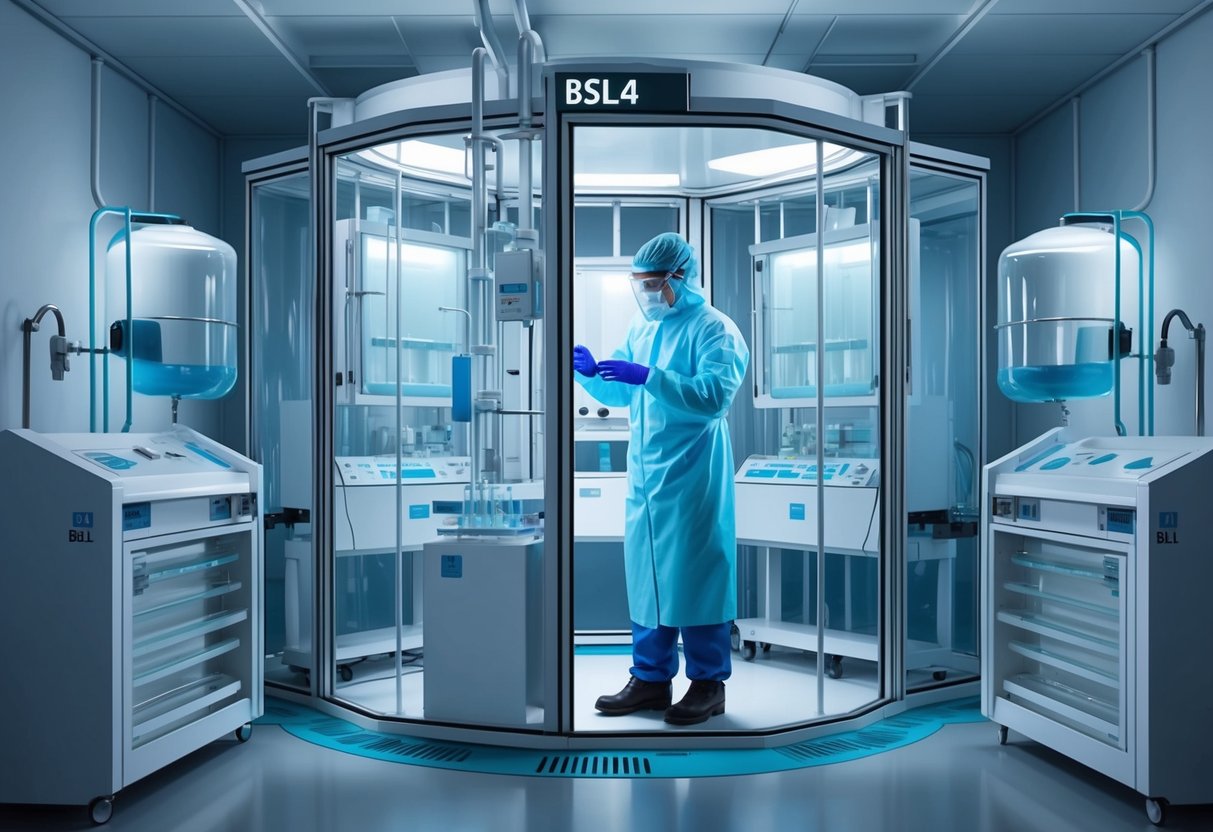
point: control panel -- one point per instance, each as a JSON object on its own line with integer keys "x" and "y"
{"x": 155, "y": 455}
{"x": 792, "y": 471}
{"x": 382, "y": 470}
{"x": 1085, "y": 460}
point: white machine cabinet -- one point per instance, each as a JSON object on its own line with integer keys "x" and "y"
{"x": 130, "y": 594}
{"x": 1096, "y": 624}
{"x": 776, "y": 501}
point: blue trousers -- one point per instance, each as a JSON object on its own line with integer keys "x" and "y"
{"x": 707, "y": 648}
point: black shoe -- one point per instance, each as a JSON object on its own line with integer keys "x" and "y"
{"x": 637, "y": 695}
{"x": 703, "y": 699}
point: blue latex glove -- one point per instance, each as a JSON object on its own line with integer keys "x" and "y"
{"x": 583, "y": 361}
{"x": 624, "y": 371}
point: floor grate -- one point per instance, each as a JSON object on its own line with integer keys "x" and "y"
{"x": 595, "y": 765}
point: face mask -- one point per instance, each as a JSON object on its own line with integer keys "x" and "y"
{"x": 650, "y": 297}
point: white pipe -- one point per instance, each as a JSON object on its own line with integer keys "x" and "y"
{"x": 1151, "y": 130}
{"x": 526, "y": 188}
{"x": 1076, "y": 110}
{"x": 151, "y": 153}
{"x": 95, "y": 158}
{"x": 492, "y": 44}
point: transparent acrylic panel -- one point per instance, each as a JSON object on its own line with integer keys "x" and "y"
{"x": 594, "y": 230}
{"x": 282, "y": 347}
{"x": 402, "y": 463}
{"x": 775, "y": 679}
{"x": 431, "y": 277}
{"x": 942, "y": 429}
{"x": 640, "y": 223}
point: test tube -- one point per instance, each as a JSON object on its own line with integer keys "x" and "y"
{"x": 511, "y": 517}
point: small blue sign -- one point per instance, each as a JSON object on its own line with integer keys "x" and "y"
{"x": 82, "y": 519}
{"x": 1168, "y": 519}
{"x": 136, "y": 516}
{"x": 419, "y": 512}
{"x": 590, "y": 492}
{"x": 795, "y": 511}
{"x": 452, "y": 566}
{"x": 221, "y": 509}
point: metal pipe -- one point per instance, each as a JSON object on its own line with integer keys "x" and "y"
{"x": 151, "y": 153}
{"x": 95, "y": 155}
{"x": 1076, "y": 110}
{"x": 1151, "y": 130}
{"x": 399, "y": 498}
{"x": 1165, "y": 357}
{"x": 526, "y": 190}
{"x": 475, "y": 273}
{"x": 522, "y": 19}
{"x": 492, "y": 45}
{"x": 821, "y": 435}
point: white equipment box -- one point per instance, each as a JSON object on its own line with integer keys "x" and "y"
{"x": 130, "y": 590}
{"x": 600, "y": 483}
{"x": 1095, "y": 593}
{"x": 483, "y": 651}
{"x": 776, "y": 502}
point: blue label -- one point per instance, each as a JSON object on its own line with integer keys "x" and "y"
{"x": 590, "y": 492}
{"x": 136, "y": 516}
{"x": 452, "y": 566}
{"x": 1166, "y": 520}
{"x": 221, "y": 508}
{"x": 795, "y": 511}
{"x": 419, "y": 512}
{"x": 114, "y": 463}
{"x": 82, "y": 519}
{"x": 205, "y": 454}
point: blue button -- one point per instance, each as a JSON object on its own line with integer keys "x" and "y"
{"x": 1054, "y": 464}
{"x": 789, "y": 475}
{"x": 1139, "y": 464}
{"x": 1100, "y": 460}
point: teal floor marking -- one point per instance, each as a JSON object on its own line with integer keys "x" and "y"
{"x": 339, "y": 735}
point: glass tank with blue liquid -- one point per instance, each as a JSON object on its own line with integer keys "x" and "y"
{"x": 1057, "y": 314}
{"x": 182, "y": 335}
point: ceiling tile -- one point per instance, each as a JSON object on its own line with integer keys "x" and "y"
{"x": 340, "y": 35}
{"x": 655, "y": 7}
{"x": 802, "y": 35}
{"x": 140, "y": 8}
{"x": 171, "y": 36}
{"x": 440, "y": 35}
{"x": 922, "y": 35}
{"x": 350, "y": 83}
{"x": 1060, "y": 34}
{"x": 973, "y": 113}
{"x": 899, "y": 8}
{"x": 1093, "y": 6}
{"x": 659, "y": 34}
{"x": 995, "y": 75}
{"x": 380, "y": 8}
{"x": 188, "y": 75}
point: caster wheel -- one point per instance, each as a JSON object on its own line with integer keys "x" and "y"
{"x": 939, "y": 675}
{"x": 766, "y": 648}
{"x": 734, "y": 636}
{"x": 244, "y": 732}
{"x": 346, "y": 673}
{"x": 1002, "y": 735}
{"x": 1156, "y": 810}
{"x": 101, "y": 809}
{"x": 748, "y": 650}
{"x": 834, "y": 669}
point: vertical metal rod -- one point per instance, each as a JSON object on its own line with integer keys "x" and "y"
{"x": 1199, "y": 334}
{"x": 820, "y": 358}
{"x": 151, "y": 154}
{"x": 479, "y": 221}
{"x": 399, "y": 484}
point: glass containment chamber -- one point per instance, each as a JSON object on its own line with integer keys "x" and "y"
{"x": 448, "y": 558}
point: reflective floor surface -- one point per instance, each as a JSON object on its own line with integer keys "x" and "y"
{"x": 957, "y": 779}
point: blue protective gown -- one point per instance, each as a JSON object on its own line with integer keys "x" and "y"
{"x": 680, "y": 543}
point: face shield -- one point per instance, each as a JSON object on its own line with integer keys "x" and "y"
{"x": 649, "y": 291}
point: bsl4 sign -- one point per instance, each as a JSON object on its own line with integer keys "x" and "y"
{"x": 594, "y": 91}
{"x": 632, "y": 92}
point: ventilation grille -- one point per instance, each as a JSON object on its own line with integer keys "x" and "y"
{"x": 405, "y": 748}
{"x": 595, "y": 765}
{"x": 871, "y": 739}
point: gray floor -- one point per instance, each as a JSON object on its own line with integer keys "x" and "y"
{"x": 958, "y": 779}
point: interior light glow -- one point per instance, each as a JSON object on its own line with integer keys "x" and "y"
{"x": 626, "y": 180}
{"x": 785, "y": 159}
{"x": 415, "y": 153}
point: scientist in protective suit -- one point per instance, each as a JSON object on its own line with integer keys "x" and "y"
{"x": 678, "y": 371}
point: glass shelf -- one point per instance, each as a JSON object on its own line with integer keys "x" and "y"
{"x": 168, "y": 601}
{"x": 1088, "y": 606}
{"x": 180, "y": 703}
{"x": 191, "y": 629}
{"x": 209, "y": 561}
{"x": 1089, "y": 711}
{"x": 1073, "y": 570}
{"x": 151, "y": 674}
{"x": 1104, "y": 642}
{"x": 1054, "y": 659}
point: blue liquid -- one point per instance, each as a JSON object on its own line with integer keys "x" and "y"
{"x": 1052, "y": 383}
{"x": 189, "y": 381}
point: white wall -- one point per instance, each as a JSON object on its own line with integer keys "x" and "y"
{"x": 1114, "y": 175}
{"x": 46, "y": 203}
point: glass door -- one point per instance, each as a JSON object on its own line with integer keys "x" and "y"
{"x": 944, "y": 448}
{"x": 282, "y": 345}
